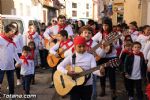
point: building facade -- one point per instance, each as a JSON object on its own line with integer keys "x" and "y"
{"x": 137, "y": 10}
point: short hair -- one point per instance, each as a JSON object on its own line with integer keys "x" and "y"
{"x": 61, "y": 17}
{"x": 90, "y": 22}
{"x": 26, "y": 48}
{"x": 32, "y": 42}
{"x": 86, "y": 27}
{"x": 127, "y": 43}
{"x": 63, "y": 33}
{"x": 137, "y": 43}
{"x": 9, "y": 28}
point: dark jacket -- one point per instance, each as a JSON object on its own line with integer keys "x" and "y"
{"x": 129, "y": 65}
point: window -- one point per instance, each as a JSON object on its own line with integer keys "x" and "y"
{"x": 87, "y": 6}
{"x": 74, "y": 13}
{"x": 74, "y": 5}
{"x": 87, "y": 14}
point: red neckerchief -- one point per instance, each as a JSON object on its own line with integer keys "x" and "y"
{"x": 89, "y": 45}
{"x": 148, "y": 91}
{"x": 61, "y": 27}
{"x": 42, "y": 36}
{"x": 30, "y": 34}
{"x": 25, "y": 59}
{"x": 139, "y": 54}
{"x": 105, "y": 34}
{"x": 8, "y": 40}
{"x": 66, "y": 44}
{"x": 126, "y": 51}
{"x": 32, "y": 53}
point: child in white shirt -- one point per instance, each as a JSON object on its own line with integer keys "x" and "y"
{"x": 27, "y": 68}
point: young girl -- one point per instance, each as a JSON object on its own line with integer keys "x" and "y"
{"x": 84, "y": 60}
{"x": 32, "y": 54}
{"x": 18, "y": 39}
{"x": 143, "y": 38}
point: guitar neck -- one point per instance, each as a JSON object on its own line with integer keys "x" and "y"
{"x": 92, "y": 69}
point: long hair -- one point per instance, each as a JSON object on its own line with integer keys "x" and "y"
{"x": 107, "y": 21}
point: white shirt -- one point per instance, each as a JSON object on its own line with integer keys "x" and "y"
{"x": 136, "y": 71}
{"x": 142, "y": 39}
{"x": 7, "y": 55}
{"x": 97, "y": 37}
{"x": 134, "y": 35}
{"x": 54, "y": 30}
{"x": 85, "y": 61}
{"x": 36, "y": 39}
{"x": 27, "y": 69}
{"x": 18, "y": 39}
{"x": 146, "y": 49}
{"x": 57, "y": 46}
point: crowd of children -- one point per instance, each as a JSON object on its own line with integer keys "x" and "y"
{"x": 79, "y": 40}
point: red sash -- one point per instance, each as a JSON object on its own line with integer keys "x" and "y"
{"x": 25, "y": 59}
{"x": 8, "y": 40}
{"x": 61, "y": 27}
{"x": 30, "y": 34}
{"x": 66, "y": 44}
{"x": 89, "y": 45}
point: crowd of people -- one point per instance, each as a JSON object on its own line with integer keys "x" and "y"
{"x": 23, "y": 53}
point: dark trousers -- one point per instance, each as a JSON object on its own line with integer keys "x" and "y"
{"x": 43, "y": 56}
{"x": 18, "y": 69}
{"x": 10, "y": 79}
{"x": 112, "y": 78}
{"x": 81, "y": 93}
{"x": 26, "y": 80}
{"x": 135, "y": 84}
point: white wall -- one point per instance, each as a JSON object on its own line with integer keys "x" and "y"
{"x": 26, "y": 8}
{"x": 148, "y": 13}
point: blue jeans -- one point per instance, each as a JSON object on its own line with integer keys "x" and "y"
{"x": 94, "y": 93}
{"x": 26, "y": 80}
{"x": 10, "y": 79}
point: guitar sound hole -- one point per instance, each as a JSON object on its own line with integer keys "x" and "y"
{"x": 62, "y": 81}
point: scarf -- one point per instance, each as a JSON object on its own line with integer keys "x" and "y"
{"x": 62, "y": 43}
{"x": 25, "y": 59}
{"x": 61, "y": 27}
{"x": 8, "y": 40}
{"x": 30, "y": 35}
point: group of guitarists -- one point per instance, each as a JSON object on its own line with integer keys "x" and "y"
{"x": 79, "y": 55}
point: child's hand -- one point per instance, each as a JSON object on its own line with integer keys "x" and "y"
{"x": 102, "y": 70}
{"x": 127, "y": 75}
{"x": 56, "y": 55}
{"x": 18, "y": 65}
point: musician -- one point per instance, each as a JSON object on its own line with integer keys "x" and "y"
{"x": 53, "y": 30}
{"x": 111, "y": 53}
{"x": 8, "y": 54}
{"x": 64, "y": 43}
{"x": 86, "y": 61}
{"x": 87, "y": 32}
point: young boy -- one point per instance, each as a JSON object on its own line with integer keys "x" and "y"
{"x": 8, "y": 54}
{"x": 27, "y": 68}
{"x": 124, "y": 54}
{"x": 84, "y": 60}
{"x": 135, "y": 71}
{"x": 64, "y": 43}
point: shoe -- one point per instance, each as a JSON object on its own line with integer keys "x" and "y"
{"x": 18, "y": 82}
{"x": 131, "y": 98}
{"x": 51, "y": 85}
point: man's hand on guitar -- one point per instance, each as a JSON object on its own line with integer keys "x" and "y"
{"x": 72, "y": 74}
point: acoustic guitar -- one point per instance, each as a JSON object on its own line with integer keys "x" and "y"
{"x": 53, "y": 60}
{"x": 64, "y": 83}
{"x": 112, "y": 37}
